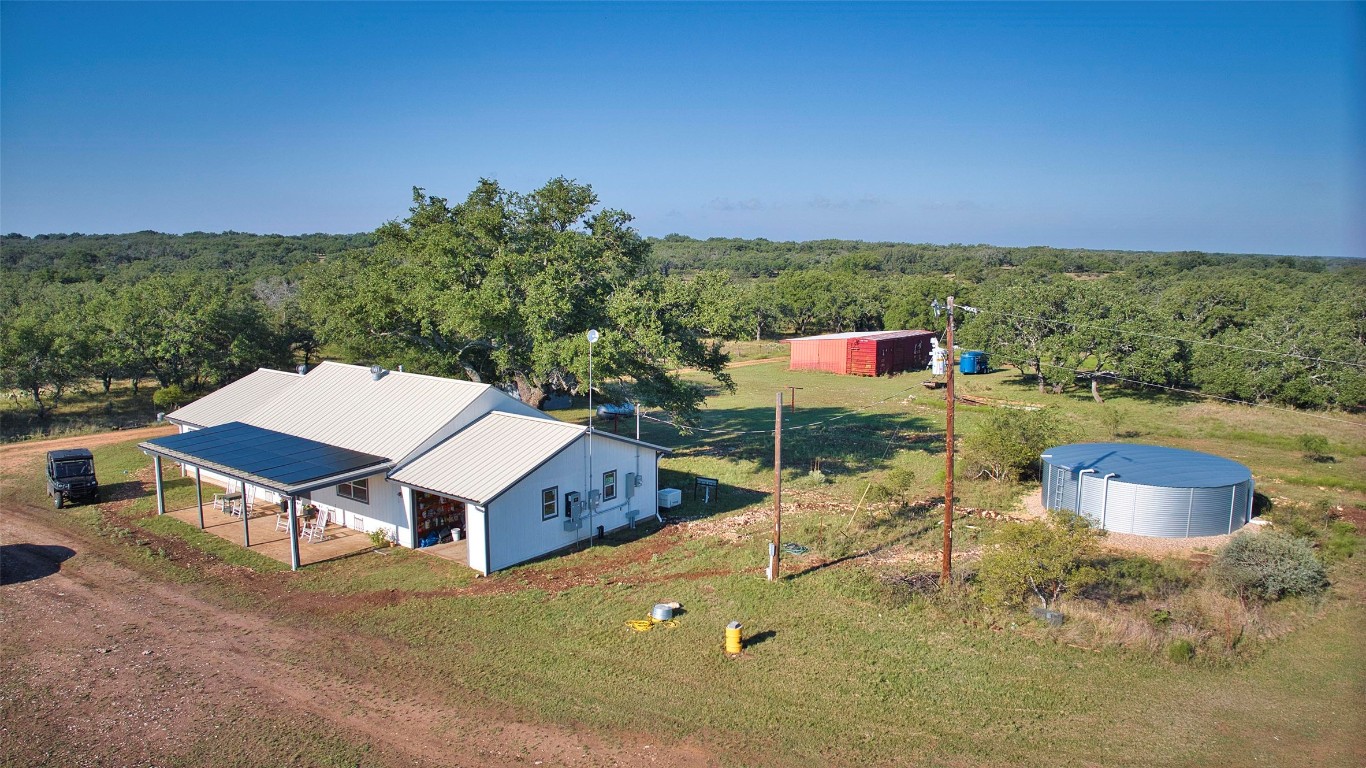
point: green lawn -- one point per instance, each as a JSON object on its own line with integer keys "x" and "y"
{"x": 840, "y": 669}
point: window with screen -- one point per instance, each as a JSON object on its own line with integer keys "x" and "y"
{"x": 550, "y": 503}
{"x": 356, "y": 490}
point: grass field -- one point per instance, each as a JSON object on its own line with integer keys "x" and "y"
{"x": 82, "y": 409}
{"x": 840, "y": 668}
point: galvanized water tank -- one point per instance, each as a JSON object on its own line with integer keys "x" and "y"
{"x": 1148, "y": 490}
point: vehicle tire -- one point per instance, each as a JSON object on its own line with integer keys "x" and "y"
{"x": 57, "y": 501}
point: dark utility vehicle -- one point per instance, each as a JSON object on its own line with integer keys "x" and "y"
{"x": 71, "y": 476}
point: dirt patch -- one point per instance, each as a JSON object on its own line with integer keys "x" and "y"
{"x": 15, "y": 455}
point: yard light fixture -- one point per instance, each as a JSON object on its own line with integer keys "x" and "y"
{"x": 593, "y": 337}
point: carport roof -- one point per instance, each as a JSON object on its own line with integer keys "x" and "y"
{"x": 266, "y": 458}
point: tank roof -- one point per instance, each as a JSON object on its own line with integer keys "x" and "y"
{"x": 1149, "y": 464}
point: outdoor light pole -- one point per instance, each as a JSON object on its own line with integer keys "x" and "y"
{"x": 592, "y": 339}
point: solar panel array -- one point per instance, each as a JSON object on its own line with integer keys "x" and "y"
{"x": 282, "y": 461}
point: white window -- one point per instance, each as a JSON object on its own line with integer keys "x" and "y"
{"x": 550, "y": 503}
{"x": 356, "y": 490}
{"x": 609, "y": 485}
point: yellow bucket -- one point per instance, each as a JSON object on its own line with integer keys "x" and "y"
{"x": 733, "y": 644}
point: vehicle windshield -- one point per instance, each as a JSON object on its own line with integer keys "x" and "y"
{"x": 76, "y": 468}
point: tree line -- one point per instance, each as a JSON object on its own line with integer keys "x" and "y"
{"x": 502, "y": 286}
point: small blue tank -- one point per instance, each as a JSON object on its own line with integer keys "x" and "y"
{"x": 973, "y": 361}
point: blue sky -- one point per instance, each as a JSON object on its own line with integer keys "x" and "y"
{"x": 1217, "y": 127}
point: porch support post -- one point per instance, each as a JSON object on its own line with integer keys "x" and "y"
{"x": 410, "y": 511}
{"x": 246, "y": 529}
{"x": 293, "y": 533}
{"x": 161, "y": 492}
{"x": 199, "y": 496}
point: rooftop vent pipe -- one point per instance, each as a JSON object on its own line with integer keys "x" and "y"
{"x": 376, "y": 372}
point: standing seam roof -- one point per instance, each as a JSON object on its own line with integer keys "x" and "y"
{"x": 489, "y": 456}
{"x": 230, "y": 402}
{"x": 343, "y": 405}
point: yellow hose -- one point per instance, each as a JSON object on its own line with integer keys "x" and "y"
{"x": 645, "y": 625}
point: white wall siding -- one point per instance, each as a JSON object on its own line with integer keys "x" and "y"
{"x": 385, "y": 509}
{"x": 516, "y": 531}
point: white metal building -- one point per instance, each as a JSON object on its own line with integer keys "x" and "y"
{"x": 436, "y": 457}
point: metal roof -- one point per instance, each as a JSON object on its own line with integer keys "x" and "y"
{"x": 481, "y": 461}
{"x": 489, "y": 456}
{"x": 860, "y": 335}
{"x": 1149, "y": 464}
{"x": 266, "y": 458}
{"x": 344, "y": 405}
{"x": 341, "y": 405}
{"x": 70, "y": 453}
{"x": 232, "y": 401}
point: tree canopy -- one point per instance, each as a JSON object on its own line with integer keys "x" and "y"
{"x": 502, "y": 288}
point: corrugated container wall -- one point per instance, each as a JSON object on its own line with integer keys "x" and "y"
{"x": 820, "y": 354}
{"x": 870, "y": 353}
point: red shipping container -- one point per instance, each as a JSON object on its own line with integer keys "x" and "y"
{"x": 862, "y": 353}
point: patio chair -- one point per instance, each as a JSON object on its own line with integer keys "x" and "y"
{"x": 316, "y": 529}
{"x": 282, "y": 520}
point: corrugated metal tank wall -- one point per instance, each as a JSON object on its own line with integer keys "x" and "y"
{"x": 1148, "y": 510}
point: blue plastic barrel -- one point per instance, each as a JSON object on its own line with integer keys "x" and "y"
{"x": 973, "y": 361}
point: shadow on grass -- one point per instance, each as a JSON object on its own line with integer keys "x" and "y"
{"x": 126, "y": 489}
{"x": 759, "y": 638}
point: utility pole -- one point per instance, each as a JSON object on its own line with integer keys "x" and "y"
{"x": 774, "y": 548}
{"x": 946, "y": 569}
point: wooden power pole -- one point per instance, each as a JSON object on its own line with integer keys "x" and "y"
{"x": 774, "y": 549}
{"x": 946, "y": 569}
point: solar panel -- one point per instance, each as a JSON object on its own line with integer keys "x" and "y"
{"x": 282, "y": 460}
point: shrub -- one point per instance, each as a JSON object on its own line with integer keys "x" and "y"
{"x": 169, "y": 397}
{"x": 380, "y": 537}
{"x": 1008, "y": 444}
{"x": 1038, "y": 558}
{"x": 1127, "y": 578}
{"x": 1269, "y": 566}
{"x": 1315, "y": 447}
{"x": 1340, "y": 543}
{"x": 1181, "y": 651}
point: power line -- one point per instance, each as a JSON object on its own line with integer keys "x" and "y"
{"x": 1172, "y": 338}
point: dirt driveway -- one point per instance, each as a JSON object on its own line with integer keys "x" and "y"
{"x": 103, "y": 665}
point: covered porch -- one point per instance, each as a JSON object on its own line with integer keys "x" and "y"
{"x": 264, "y": 535}
{"x": 286, "y": 466}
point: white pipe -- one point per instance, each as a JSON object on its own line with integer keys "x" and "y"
{"x": 1081, "y": 481}
{"x": 1105, "y": 498}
